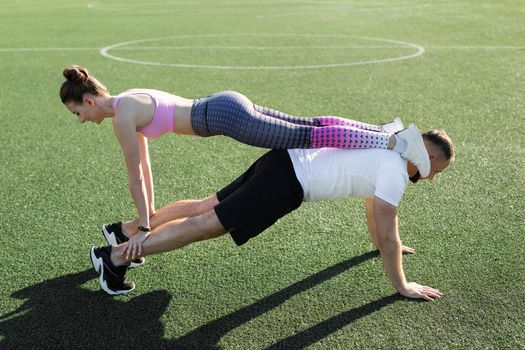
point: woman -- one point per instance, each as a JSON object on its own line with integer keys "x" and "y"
{"x": 140, "y": 114}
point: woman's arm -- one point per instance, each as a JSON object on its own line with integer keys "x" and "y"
{"x": 146, "y": 172}
{"x": 124, "y": 126}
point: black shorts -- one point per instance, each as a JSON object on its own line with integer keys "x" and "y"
{"x": 267, "y": 191}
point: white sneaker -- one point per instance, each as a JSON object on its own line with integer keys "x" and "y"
{"x": 416, "y": 151}
{"x": 393, "y": 126}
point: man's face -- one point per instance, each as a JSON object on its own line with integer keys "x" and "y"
{"x": 415, "y": 178}
{"x": 437, "y": 165}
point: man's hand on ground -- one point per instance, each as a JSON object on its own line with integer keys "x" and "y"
{"x": 417, "y": 291}
{"x": 407, "y": 250}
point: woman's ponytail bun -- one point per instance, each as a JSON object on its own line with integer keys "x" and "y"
{"x": 76, "y": 74}
{"x": 78, "y": 83}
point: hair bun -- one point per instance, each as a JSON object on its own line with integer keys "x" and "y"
{"x": 76, "y": 74}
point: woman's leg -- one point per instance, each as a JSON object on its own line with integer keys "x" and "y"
{"x": 334, "y": 121}
{"x": 232, "y": 114}
{"x": 317, "y": 121}
{"x": 273, "y": 113}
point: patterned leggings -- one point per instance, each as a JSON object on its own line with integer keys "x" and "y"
{"x": 232, "y": 114}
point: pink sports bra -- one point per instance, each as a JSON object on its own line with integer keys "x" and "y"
{"x": 163, "y": 118}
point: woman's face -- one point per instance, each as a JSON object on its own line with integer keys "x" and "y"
{"x": 87, "y": 111}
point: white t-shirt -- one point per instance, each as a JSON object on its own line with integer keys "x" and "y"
{"x": 329, "y": 173}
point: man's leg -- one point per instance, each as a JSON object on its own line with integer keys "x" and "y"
{"x": 178, "y": 210}
{"x": 111, "y": 264}
{"x": 267, "y": 191}
{"x": 175, "y": 234}
{"x": 118, "y": 233}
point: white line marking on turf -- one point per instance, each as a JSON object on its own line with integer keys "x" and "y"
{"x": 461, "y": 47}
{"x": 419, "y": 51}
{"x": 50, "y": 49}
{"x": 311, "y": 7}
{"x": 63, "y": 49}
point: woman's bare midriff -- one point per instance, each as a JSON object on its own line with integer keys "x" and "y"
{"x": 182, "y": 122}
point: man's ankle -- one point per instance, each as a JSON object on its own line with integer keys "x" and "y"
{"x": 116, "y": 257}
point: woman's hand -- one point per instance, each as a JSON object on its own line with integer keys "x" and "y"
{"x": 133, "y": 247}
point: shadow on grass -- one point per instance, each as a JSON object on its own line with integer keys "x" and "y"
{"x": 209, "y": 335}
{"x": 61, "y": 314}
{"x": 323, "y": 329}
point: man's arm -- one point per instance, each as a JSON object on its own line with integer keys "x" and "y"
{"x": 372, "y": 229}
{"x": 370, "y": 220}
{"x": 389, "y": 244}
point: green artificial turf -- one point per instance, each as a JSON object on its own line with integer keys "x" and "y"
{"x": 313, "y": 279}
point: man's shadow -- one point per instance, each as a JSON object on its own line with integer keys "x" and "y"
{"x": 208, "y": 336}
{"x": 60, "y": 314}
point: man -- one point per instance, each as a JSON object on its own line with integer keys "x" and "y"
{"x": 276, "y": 184}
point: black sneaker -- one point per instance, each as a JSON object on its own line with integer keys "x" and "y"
{"x": 112, "y": 278}
{"x": 114, "y": 235}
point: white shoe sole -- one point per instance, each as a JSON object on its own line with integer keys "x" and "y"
{"x": 393, "y": 126}
{"x": 106, "y": 289}
{"x": 133, "y": 265}
{"x": 109, "y": 236}
{"x": 97, "y": 262}
{"x": 98, "y": 265}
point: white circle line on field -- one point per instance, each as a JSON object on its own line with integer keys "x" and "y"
{"x": 419, "y": 51}
{"x": 444, "y": 47}
{"x": 66, "y": 49}
{"x": 327, "y": 6}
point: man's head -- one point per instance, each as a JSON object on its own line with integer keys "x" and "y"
{"x": 440, "y": 151}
